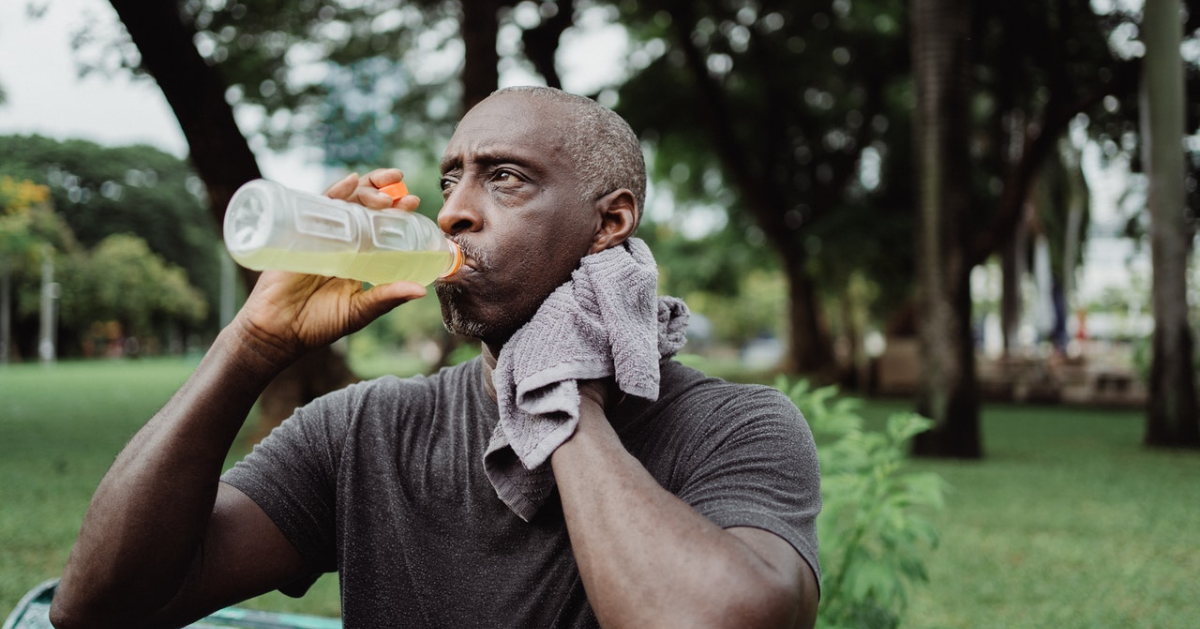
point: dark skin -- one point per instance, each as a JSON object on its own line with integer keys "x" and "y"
{"x": 164, "y": 542}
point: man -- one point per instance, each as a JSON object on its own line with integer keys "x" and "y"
{"x": 383, "y": 481}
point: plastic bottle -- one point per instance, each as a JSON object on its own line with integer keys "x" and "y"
{"x": 270, "y": 226}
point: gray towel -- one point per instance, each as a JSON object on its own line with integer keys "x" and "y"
{"x": 605, "y": 321}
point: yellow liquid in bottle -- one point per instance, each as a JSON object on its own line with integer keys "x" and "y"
{"x": 376, "y": 267}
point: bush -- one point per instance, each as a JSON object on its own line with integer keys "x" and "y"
{"x": 872, "y": 528}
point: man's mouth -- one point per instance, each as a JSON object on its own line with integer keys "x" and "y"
{"x": 474, "y": 260}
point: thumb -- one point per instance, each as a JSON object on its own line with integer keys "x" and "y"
{"x": 381, "y": 299}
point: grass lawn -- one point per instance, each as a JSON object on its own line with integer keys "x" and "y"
{"x": 61, "y": 426}
{"x": 1068, "y": 522}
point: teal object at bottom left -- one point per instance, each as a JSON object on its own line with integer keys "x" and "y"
{"x": 33, "y": 612}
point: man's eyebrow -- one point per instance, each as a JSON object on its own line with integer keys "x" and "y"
{"x": 486, "y": 157}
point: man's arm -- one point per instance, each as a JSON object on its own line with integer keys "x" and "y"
{"x": 648, "y": 559}
{"x": 160, "y": 527}
{"x": 163, "y": 541}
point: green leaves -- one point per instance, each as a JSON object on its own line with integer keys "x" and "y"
{"x": 99, "y": 191}
{"x": 873, "y": 527}
{"x": 123, "y": 280}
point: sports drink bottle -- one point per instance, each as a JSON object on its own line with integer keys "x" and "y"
{"x": 270, "y": 226}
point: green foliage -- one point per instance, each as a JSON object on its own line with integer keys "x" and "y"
{"x": 873, "y": 531}
{"x": 31, "y": 234}
{"x": 355, "y": 78}
{"x": 101, "y": 191}
{"x": 123, "y": 280}
{"x": 790, "y": 117}
{"x": 759, "y": 306}
{"x": 28, "y": 225}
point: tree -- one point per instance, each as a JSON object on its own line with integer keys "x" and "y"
{"x": 28, "y": 232}
{"x": 1172, "y": 418}
{"x": 122, "y": 280}
{"x": 100, "y": 191}
{"x": 768, "y": 108}
{"x": 1028, "y": 94}
{"x": 947, "y": 391}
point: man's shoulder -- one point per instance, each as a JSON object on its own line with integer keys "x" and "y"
{"x": 375, "y": 403}
{"x": 679, "y": 379}
{"x": 450, "y": 377}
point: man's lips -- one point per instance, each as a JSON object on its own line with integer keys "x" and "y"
{"x": 468, "y": 269}
{"x": 473, "y": 262}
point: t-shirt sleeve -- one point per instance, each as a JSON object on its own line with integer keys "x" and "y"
{"x": 756, "y": 465}
{"x": 292, "y": 476}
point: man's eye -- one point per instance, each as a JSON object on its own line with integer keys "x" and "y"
{"x": 446, "y": 183}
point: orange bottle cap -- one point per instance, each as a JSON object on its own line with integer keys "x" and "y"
{"x": 395, "y": 190}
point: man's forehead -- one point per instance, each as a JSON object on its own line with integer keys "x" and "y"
{"x": 508, "y": 124}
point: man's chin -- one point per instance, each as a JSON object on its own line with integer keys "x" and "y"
{"x": 458, "y": 319}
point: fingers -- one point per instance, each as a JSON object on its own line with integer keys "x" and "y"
{"x": 599, "y": 391}
{"x": 381, "y": 177}
{"x": 344, "y": 188}
{"x": 381, "y": 299}
{"x": 297, "y": 312}
{"x": 408, "y": 202}
{"x": 368, "y": 194}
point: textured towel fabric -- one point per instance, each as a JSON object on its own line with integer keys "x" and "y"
{"x": 607, "y": 320}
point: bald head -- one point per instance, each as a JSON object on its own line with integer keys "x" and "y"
{"x": 600, "y": 144}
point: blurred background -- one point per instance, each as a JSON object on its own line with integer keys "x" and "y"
{"x": 981, "y": 212}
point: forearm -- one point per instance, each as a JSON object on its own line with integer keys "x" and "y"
{"x": 144, "y": 527}
{"x": 647, "y": 558}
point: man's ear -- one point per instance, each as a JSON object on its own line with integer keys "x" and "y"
{"x": 618, "y": 213}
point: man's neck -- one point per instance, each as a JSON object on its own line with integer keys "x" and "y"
{"x": 489, "y": 355}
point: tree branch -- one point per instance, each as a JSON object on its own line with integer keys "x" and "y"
{"x": 196, "y": 93}
{"x": 541, "y": 41}
{"x": 1037, "y": 146}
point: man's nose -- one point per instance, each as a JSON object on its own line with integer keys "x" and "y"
{"x": 459, "y": 213}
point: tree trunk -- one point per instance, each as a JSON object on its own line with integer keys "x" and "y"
{"x": 1076, "y": 212}
{"x": 1034, "y": 138}
{"x": 481, "y": 71}
{"x": 196, "y": 94}
{"x": 5, "y": 307}
{"x": 541, "y": 42}
{"x": 853, "y": 377}
{"x": 947, "y": 391}
{"x": 222, "y": 157}
{"x": 809, "y": 348}
{"x": 1171, "y": 418}
{"x": 1014, "y": 254}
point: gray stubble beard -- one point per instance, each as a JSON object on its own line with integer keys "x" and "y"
{"x": 453, "y": 318}
{"x": 457, "y": 321}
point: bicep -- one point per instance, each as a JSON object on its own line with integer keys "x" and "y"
{"x": 244, "y": 554}
{"x": 790, "y": 568}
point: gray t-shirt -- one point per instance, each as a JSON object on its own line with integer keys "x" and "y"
{"x": 384, "y": 482}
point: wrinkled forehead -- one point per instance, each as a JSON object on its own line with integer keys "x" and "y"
{"x": 511, "y": 123}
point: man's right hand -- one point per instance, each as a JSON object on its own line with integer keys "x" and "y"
{"x": 288, "y": 314}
